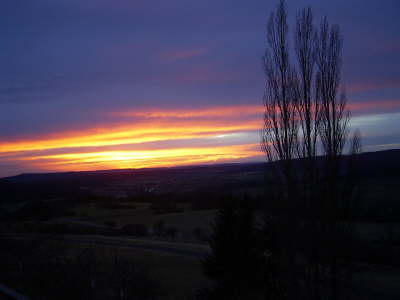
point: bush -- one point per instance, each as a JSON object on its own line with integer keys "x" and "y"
{"x": 110, "y": 223}
{"x": 135, "y": 229}
{"x": 200, "y": 234}
{"x": 172, "y": 232}
{"x": 165, "y": 208}
{"x": 130, "y": 281}
{"x": 118, "y": 205}
{"x": 159, "y": 228}
{"x": 241, "y": 262}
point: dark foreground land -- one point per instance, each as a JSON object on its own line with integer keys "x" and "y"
{"x": 112, "y": 234}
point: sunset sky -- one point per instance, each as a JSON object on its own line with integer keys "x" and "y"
{"x": 102, "y": 84}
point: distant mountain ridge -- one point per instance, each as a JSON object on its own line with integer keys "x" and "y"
{"x": 172, "y": 180}
{"x": 201, "y": 185}
{"x": 380, "y": 161}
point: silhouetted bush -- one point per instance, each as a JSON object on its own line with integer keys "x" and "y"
{"x": 110, "y": 223}
{"x": 172, "y": 232}
{"x": 118, "y": 205}
{"x": 200, "y": 234}
{"x": 130, "y": 281}
{"x": 135, "y": 229}
{"x": 165, "y": 208}
{"x": 159, "y": 228}
{"x": 241, "y": 263}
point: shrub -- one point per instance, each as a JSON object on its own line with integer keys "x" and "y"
{"x": 135, "y": 229}
{"x": 110, "y": 223}
{"x": 159, "y": 228}
{"x": 200, "y": 234}
{"x": 172, "y": 232}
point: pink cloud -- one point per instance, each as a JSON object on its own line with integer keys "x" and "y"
{"x": 392, "y": 46}
{"x": 181, "y": 54}
{"x": 374, "y": 106}
{"x": 370, "y": 85}
{"x": 208, "y": 112}
{"x": 204, "y": 74}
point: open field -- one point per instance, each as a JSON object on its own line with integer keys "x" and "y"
{"x": 187, "y": 220}
{"x": 116, "y": 214}
{"x": 184, "y": 221}
{"x": 176, "y": 266}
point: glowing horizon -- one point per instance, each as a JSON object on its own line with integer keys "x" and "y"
{"x": 152, "y": 138}
{"x": 142, "y": 78}
{"x": 89, "y": 161}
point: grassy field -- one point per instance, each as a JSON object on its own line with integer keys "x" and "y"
{"x": 177, "y": 270}
{"x": 188, "y": 220}
{"x": 181, "y": 276}
{"x": 185, "y": 221}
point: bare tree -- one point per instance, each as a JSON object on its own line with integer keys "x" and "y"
{"x": 309, "y": 110}
{"x": 281, "y": 126}
{"x": 308, "y": 106}
{"x": 280, "y": 133}
{"x": 306, "y": 117}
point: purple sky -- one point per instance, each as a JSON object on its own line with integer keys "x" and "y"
{"x": 66, "y": 64}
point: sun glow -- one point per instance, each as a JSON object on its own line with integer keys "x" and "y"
{"x": 146, "y": 138}
{"x": 153, "y": 138}
{"x": 121, "y": 135}
{"x": 144, "y": 158}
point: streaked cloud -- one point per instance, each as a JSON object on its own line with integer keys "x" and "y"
{"x": 376, "y": 84}
{"x": 106, "y": 80}
{"x": 151, "y": 138}
{"x": 161, "y": 137}
{"x": 373, "y": 107}
{"x": 140, "y": 158}
{"x": 128, "y": 134}
{"x": 221, "y": 111}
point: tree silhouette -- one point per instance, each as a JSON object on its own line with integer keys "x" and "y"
{"x": 241, "y": 260}
{"x": 304, "y": 136}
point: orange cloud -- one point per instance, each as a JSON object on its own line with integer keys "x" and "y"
{"x": 151, "y": 138}
{"x": 155, "y": 138}
{"x": 128, "y": 134}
